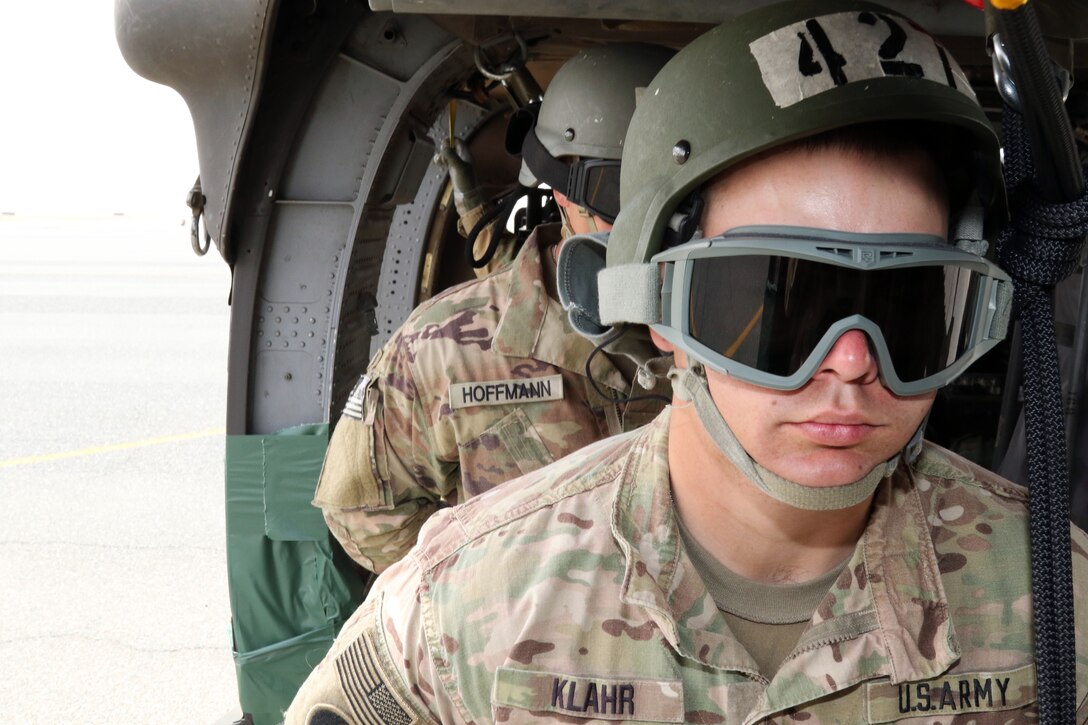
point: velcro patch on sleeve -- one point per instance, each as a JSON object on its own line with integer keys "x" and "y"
{"x": 960, "y": 693}
{"x": 607, "y": 697}
{"x": 504, "y": 392}
{"x": 373, "y": 702}
{"x": 355, "y": 473}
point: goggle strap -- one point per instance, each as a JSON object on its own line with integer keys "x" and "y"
{"x": 968, "y": 233}
{"x": 630, "y": 293}
{"x": 543, "y": 165}
{"x": 999, "y": 325}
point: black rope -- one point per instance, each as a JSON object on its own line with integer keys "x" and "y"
{"x": 502, "y": 209}
{"x": 1040, "y": 247}
{"x": 499, "y": 214}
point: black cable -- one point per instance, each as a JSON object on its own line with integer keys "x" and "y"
{"x": 502, "y": 209}
{"x": 1039, "y": 247}
{"x": 620, "y": 332}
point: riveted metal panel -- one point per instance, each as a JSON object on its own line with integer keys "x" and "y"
{"x": 355, "y": 147}
{"x": 398, "y": 284}
{"x": 331, "y": 155}
{"x": 395, "y": 45}
{"x": 398, "y": 149}
{"x": 292, "y": 332}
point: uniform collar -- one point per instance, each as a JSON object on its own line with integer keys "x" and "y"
{"x": 886, "y": 615}
{"x": 533, "y": 325}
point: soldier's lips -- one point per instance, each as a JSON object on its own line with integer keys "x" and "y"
{"x": 839, "y": 431}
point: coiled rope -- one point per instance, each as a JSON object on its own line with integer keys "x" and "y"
{"x": 1040, "y": 247}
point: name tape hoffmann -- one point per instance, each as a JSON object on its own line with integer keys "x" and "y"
{"x": 501, "y": 392}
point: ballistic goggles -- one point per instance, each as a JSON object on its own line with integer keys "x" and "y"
{"x": 766, "y": 304}
{"x": 590, "y": 183}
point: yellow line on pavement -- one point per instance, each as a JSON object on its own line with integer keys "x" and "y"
{"x": 112, "y": 447}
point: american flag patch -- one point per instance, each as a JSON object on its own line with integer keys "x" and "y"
{"x": 354, "y": 406}
{"x": 372, "y": 702}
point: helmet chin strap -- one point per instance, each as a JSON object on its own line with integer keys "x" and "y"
{"x": 691, "y": 384}
{"x": 567, "y": 230}
{"x": 589, "y": 219}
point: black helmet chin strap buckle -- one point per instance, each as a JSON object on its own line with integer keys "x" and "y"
{"x": 684, "y": 222}
{"x": 519, "y": 126}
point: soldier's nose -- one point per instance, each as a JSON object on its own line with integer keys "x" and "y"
{"x": 851, "y": 359}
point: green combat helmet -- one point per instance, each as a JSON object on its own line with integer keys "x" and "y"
{"x": 583, "y": 118}
{"x": 776, "y": 75}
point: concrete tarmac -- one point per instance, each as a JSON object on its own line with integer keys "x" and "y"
{"x": 113, "y": 378}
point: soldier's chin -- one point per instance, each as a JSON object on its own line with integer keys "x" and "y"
{"x": 826, "y": 469}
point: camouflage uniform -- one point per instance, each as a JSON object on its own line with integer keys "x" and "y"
{"x": 568, "y": 597}
{"x": 482, "y": 384}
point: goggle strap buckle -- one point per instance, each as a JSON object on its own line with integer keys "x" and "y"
{"x": 684, "y": 222}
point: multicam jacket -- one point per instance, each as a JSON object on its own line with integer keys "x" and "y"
{"x": 567, "y": 597}
{"x": 483, "y": 383}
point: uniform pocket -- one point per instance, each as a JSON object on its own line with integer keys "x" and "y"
{"x": 508, "y": 449}
{"x": 355, "y": 473}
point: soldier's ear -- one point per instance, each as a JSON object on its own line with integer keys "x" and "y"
{"x": 562, "y": 200}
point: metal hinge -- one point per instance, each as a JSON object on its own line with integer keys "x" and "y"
{"x": 195, "y": 200}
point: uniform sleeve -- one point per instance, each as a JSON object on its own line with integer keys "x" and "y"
{"x": 379, "y": 670}
{"x": 383, "y": 474}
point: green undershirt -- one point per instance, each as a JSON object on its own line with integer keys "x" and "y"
{"x": 767, "y": 619}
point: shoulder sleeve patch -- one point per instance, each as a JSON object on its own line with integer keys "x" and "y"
{"x": 355, "y": 472}
{"x": 373, "y": 702}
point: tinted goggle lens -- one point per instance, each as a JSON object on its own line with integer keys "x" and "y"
{"x": 597, "y": 187}
{"x": 771, "y": 312}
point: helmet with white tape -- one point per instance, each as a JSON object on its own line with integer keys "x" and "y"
{"x": 776, "y": 75}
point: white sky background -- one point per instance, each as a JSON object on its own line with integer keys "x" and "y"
{"x": 80, "y": 132}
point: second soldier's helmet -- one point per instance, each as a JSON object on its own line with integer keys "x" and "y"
{"x": 577, "y": 139}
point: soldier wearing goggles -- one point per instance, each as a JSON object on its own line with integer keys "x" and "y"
{"x": 487, "y": 381}
{"x": 802, "y": 208}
